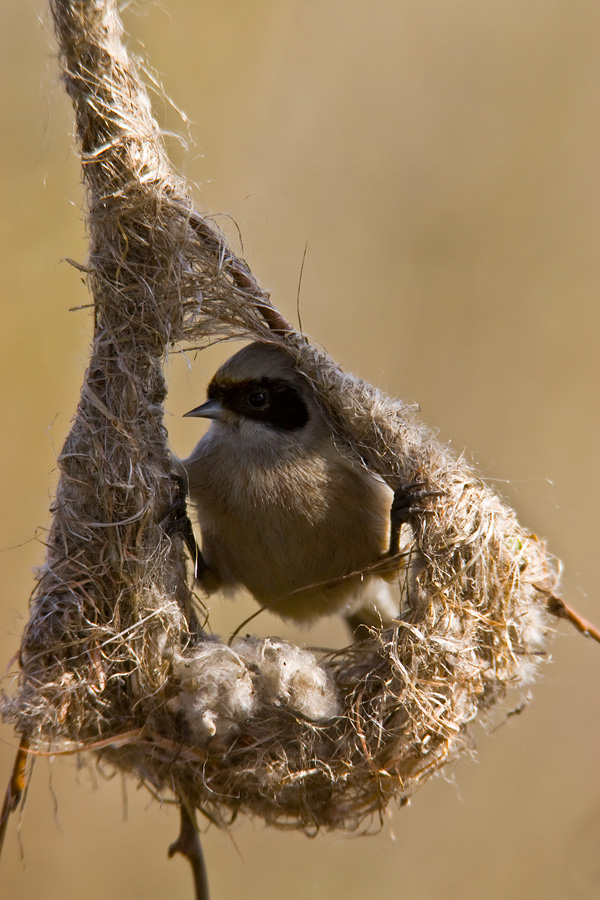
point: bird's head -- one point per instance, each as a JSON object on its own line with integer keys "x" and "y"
{"x": 260, "y": 396}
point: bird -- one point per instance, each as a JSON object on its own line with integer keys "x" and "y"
{"x": 283, "y": 510}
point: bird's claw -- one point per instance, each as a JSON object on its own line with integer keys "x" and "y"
{"x": 176, "y": 523}
{"x": 408, "y": 505}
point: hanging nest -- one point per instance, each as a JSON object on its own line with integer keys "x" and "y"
{"x": 112, "y": 660}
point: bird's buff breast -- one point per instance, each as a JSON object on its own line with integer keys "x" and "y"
{"x": 293, "y": 534}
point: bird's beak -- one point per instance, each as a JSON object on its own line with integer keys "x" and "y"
{"x": 212, "y": 409}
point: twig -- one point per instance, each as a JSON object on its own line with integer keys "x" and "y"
{"x": 16, "y": 786}
{"x": 188, "y": 844}
{"x": 558, "y": 608}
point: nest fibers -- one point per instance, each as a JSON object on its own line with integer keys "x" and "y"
{"x": 112, "y": 660}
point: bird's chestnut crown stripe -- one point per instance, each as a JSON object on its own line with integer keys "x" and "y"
{"x": 273, "y": 401}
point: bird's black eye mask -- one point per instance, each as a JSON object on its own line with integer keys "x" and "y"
{"x": 273, "y": 401}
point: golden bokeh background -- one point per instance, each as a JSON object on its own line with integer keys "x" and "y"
{"x": 440, "y": 161}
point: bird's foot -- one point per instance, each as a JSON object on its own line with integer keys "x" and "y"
{"x": 176, "y": 523}
{"x": 407, "y": 506}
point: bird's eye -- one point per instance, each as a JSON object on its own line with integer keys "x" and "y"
{"x": 258, "y": 399}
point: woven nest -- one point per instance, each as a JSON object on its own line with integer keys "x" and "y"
{"x": 108, "y": 659}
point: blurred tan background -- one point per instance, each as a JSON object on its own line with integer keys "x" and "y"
{"x": 441, "y": 159}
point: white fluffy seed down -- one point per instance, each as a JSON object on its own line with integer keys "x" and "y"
{"x": 293, "y": 678}
{"x": 223, "y": 686}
